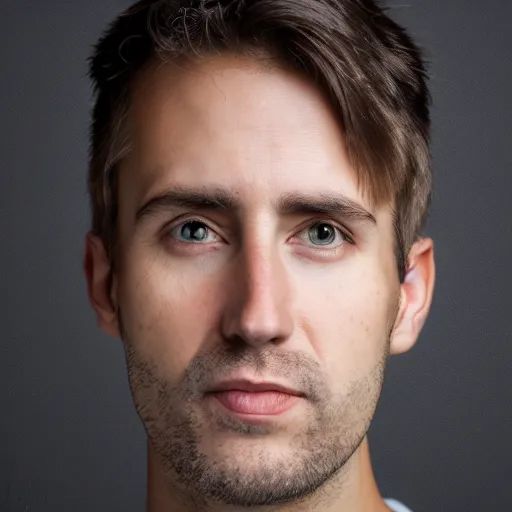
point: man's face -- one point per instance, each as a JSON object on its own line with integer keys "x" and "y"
{"x": 260, "y": 284}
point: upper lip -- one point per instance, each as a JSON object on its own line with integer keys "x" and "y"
{"x": 247, "y": 385}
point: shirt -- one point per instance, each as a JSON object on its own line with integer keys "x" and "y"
{"x": 396, "y": 506}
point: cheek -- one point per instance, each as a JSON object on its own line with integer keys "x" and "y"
{"x": 167, "y": 315}
{"x": 347, "y": 318}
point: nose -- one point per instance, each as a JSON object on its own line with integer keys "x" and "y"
{"x": 259, "y": 308}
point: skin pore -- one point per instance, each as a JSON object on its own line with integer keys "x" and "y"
{"x": 245, "y": 248}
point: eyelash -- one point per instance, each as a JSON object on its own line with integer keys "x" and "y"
{"x": 346, "y": 237}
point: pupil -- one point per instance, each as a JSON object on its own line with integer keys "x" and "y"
{"x": 194, "y": 230}
{"x": 325, "y": 233}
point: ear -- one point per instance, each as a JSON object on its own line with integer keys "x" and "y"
{"x": 415, "y": 296}
{"x": 102, "y": 293}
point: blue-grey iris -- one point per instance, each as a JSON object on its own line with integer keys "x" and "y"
{"x": 325, "y": 234}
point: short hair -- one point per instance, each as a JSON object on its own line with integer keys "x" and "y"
{"x": 365, "y": 64}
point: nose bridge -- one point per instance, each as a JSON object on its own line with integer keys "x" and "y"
{"x": 260, "y": 305}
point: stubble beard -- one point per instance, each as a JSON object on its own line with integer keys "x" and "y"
{"x": 316, "y": 455}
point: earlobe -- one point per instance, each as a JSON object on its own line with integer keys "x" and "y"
{"x": 102, "y": 293}
{"x": 415, "y": 296}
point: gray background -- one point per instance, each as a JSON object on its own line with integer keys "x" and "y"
{"x": 71, "y": 441}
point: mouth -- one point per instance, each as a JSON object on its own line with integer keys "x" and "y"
{"x": 253, "y": 387}
{"x": 245, "y": 397}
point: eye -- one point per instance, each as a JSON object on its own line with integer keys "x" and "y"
{"x": 325, "y": 234}
{"x": 192, "y": 231}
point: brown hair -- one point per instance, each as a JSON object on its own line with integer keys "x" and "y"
{"x": 367, "y": 66}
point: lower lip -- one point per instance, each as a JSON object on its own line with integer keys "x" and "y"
{"x": 258, "y": 403}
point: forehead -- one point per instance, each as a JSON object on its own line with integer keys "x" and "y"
{"x": 235, "y": 123}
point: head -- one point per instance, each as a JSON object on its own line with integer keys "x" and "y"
{"x": 259, "y": 179}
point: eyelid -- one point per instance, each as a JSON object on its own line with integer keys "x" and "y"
{"x": 344, "y": 232}
{"x": 185, "y": 219}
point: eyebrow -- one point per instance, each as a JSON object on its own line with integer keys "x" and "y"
{"x": 210, "y": 199}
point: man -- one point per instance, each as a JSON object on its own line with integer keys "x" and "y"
{"x": 259, "y": 178}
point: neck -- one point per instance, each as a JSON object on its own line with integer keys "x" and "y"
{"x": 354, "y": 490}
